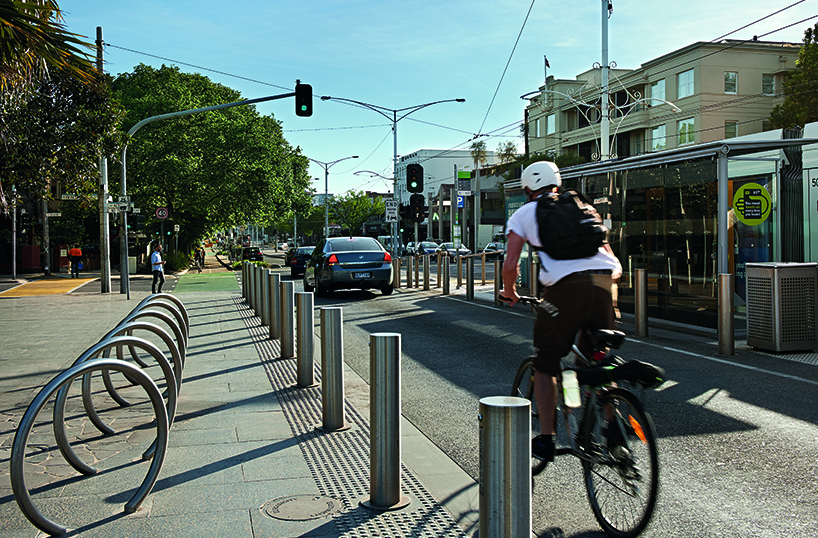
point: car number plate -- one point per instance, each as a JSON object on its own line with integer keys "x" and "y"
{"x": 361, "y": 275}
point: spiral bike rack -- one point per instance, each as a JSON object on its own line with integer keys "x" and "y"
{"x": 97, "y": 358}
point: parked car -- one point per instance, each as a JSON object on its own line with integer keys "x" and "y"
{"x": 426, "y": 247}
{"x": 349, "y": 263}
{"x": 409, "y": 250}
{"x": 449, "y": 247}
{"x": 494, "y": 250}
{"x": 298, "y": 259}
{"x": 252, "y": 254}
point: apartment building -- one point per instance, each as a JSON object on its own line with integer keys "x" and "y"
{"x": 697, "y": 94}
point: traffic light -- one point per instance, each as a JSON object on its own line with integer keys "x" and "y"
{"x": 303, "y": 99}
{"x": 414, "y": 178}
{"x": 416, "y": 207}
{"x": 138, "y": 222}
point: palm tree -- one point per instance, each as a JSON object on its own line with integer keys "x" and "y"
{"x": 34, "y": 38}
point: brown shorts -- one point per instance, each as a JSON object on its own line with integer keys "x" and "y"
{"x": 576, "y": 302}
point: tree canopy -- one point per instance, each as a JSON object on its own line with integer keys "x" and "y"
{"x": 800, "y": 87}
{"x": 212, "y": 170}
{"x": 353, "y": 209}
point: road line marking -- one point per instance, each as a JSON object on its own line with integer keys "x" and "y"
{"x": 724, "y": 361}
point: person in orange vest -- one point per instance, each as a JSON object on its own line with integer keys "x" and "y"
{"x": 76, "y": 255}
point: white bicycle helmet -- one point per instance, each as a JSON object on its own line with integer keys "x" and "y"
{"x": 539, "y": 175}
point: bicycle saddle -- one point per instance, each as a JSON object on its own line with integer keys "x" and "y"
{"x": 606, "y": 338}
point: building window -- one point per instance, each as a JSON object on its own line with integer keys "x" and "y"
{"x": 658, "y": 138}
{"x": 657, "y": 91}
{"x": 685, "y": 131}
{"x": 730, "y": 82}
{"x": 730, "y": 129}
{"x": 550, "y": 124}
{"x": 768, "y": 84}
{"x": 532, "y": 128}
{"x": 684, "y": 86}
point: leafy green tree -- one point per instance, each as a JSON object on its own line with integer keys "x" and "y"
{"x": 212, "y": 170}
{"x": 478, "y": 153}
{"x": 800, "y": 87}
{"x": 506, "y": 151}
{"x": 353, "y": 209}
{"x": 56, "y": 131}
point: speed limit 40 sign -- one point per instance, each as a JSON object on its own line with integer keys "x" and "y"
{"x": 162, "y": 213}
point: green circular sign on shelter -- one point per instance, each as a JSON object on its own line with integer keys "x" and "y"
{"x": 752, "y": 204}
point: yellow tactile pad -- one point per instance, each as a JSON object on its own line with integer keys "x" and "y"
{"x": 46, "y": 286}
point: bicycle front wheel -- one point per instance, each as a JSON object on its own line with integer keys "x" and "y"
{"x": 622, "y": 480}
{"x": 524, "y": 388}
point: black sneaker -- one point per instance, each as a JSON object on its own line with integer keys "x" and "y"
{"x": 542, "y": 448}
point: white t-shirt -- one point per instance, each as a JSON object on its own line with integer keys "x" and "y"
{"x": 524, "y": 223}
{"x": 156, "y": 260}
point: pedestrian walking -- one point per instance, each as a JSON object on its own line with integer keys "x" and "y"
{"x": 76, "y": 259}
{"x": 157, "y": 265}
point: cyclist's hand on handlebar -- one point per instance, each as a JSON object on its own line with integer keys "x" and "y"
{"x": 509, "y": 299}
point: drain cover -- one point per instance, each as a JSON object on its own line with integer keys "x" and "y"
{"x": 302, "y": 507}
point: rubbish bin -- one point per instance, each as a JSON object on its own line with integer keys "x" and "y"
{"x": 781, "y": 305}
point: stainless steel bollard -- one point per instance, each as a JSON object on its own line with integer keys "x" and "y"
{"x": 726, "y": 334}
{"x": 287, "y": 310}
{"x": 265, "y": 297}
{"x": 332, "y": 368}
{"x": 641, "y": 303}
{"x": 305, "y": 347}
{"x": 505, "y": 472}
{"x": 384, "y": 419}
{"x": 396, "y": 272}
{"x": 409, "y": 260}
{"x": 445, "y": 277}
{"x": 439, "y": 274}
{"x": 257, "y": 304}
{"x": 426, "y": 272}
{"x": 417, "y": 270}
{"x": 244, "y": 280}
{"x": 470, "y": 279}
{"x": 498, "y": 282}
{"x": 275, "y": 305}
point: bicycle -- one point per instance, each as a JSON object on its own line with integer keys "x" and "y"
{"x": 614, "y": 437}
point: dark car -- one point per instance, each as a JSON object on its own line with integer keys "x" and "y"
{"x": 298, "y": 260}
{"x": 349, "y": 263}
{"x": 252, "y": 254}
{"x": 426, "y": 247}
{"x": 494, "y": 250}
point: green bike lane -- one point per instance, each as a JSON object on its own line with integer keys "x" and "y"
{"x": 205, "y": 282}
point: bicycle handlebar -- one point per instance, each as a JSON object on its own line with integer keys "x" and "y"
{"x": 527, "y": 299}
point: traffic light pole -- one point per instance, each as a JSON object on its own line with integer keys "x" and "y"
{"x": 393, "y": 117}
{"x": 124, "y": 283}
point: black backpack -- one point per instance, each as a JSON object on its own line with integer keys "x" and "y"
{"x": 569, "y": 227}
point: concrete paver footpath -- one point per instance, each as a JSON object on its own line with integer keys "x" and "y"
{"x": 244, "y": 455}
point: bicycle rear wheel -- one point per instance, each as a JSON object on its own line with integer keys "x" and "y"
{"x": 524, "y": 388}
{"x": 623, "y": 480}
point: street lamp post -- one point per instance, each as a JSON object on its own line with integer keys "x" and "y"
{"x": 393, "y": 115}
{"x": 326, "y": 167}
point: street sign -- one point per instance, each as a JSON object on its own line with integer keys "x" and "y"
{"x": 53, "y": 214}
{"x": 70, "y": 197}
{"x": 162, "y": 213}
{"x": 391, "y": 210}
{"x": 112, "y": 207}
{"x": 459, "y": 202}
{"x": 136, "y": 210}
{"x": 175, "y": 227}
{"x": 123, "y": 202}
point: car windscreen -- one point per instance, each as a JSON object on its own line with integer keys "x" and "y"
{"x": 347, "y": 244}
{"x": 305, "y": 250}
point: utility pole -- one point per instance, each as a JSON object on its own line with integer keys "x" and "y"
{"x": 104, "y": 238}
{"x": 605, "y": 141}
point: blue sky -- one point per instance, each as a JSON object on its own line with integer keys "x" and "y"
{"x": 398, "y": 54}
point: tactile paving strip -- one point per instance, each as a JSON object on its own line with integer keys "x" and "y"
{"x": 339, "y": 461}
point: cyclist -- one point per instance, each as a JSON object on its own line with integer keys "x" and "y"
{"x": 578, "y": 294}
